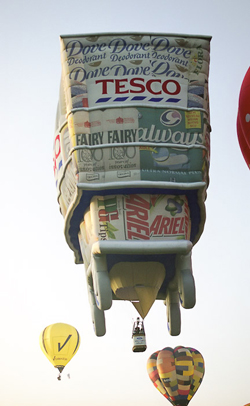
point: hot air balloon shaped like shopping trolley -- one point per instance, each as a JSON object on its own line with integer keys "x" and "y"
{"x": 131, "y": 160}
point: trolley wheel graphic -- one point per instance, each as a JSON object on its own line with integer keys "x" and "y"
{"x": 173, "y": 313}
{"x": 102, "y": 290}
{"x": 98, "y": 319}
{"x": 186, "y": 287}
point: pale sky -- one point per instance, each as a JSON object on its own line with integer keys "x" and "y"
{"x": 39, "y": 282}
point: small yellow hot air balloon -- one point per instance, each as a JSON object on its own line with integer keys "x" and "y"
{"x": 59, "y": 342}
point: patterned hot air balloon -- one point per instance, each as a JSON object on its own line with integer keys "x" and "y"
{"x": 59, "y": 342}
{"x": 177, "y": 373}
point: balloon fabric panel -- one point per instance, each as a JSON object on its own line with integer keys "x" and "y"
{"x": 167, "y": 371}
{"x": 154, "y": 375}
{"x": 199, "y": 370}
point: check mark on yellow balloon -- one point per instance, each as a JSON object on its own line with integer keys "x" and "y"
{"x": 65, "y": 342}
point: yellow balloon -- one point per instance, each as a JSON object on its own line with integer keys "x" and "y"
{"x": 59, "y": 342}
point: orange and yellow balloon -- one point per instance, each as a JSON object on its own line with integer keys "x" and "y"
{"x": 177, "y": 373}
{"x": 59, "y": 342}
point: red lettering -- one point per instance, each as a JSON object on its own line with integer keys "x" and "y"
{"x": 137, "y": 217}
{"x": 104, "y": 84}
{"x": 170, "y": 231}
{"x": 103, "y": 215}
{"x": 187, "y": 219}
{"x": 141, "y": 232}
{"x": 135, "y": 220}
{"x": 155, "y": 225}
{"x": 54, "y": 167}
{"x": 182, "y": 230}
{"x": 57, "y": 149}
{"x": 139, "y": 85}
{"x": 169, "y": 225}
{"x": 164, "y": 226}
{"x": 165, "y": 87}
{"x": 148, "y": 85}
{"x": 139, "y": 212}
{"x": 57, "y": 143}
{"x": 119, "y": 86}
{"x": 176, "y": 225}
{"x": 114, "y": 215}
{"x": 136, "y": 236}
{"x": 138, "y": 201}
{"x": 136, "y": 85}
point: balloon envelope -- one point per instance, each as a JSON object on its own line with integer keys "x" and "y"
{"x": 131, "y": 164}
{"x": 180, "y": 372}
{"x": 243, "y": 143}
{"x": 243, "y": 118}
{"x": 59, "y": 342}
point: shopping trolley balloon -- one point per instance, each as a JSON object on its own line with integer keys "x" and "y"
{"x": 243, "y": 118}
{"x": 131, "y": 162}
{"x": 177, "y": 373}
{"x": 59, "y": 342}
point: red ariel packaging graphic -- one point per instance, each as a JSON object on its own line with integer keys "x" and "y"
{"x": 131, "y": 164}
{"x": 138, "y": 217}
{"x": 135, "y": 217}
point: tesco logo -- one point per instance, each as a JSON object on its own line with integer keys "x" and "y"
{"x": 139, "y": 85}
